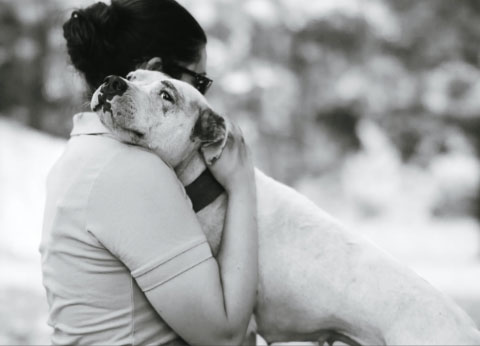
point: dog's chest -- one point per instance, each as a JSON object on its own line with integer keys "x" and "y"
{"x": 212, "y": 219}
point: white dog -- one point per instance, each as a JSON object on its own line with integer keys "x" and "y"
{"x": 318, "y": 281}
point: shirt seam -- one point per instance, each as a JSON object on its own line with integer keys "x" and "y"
{"x": 87, "y": 123}
{"x": 146, "y": 268}
{"x": 177, "y": 274}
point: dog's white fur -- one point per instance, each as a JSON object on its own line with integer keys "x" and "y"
{"x": 315, "y": 276}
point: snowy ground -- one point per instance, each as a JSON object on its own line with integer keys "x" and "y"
{"x": 445, "y": 252}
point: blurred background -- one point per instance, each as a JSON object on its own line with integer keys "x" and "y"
{"x": 371, "y": 108}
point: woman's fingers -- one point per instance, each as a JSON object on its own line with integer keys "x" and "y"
{"x": 235, "y": 140}
{"x": 234, "y": 167}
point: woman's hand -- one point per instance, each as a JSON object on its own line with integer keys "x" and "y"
{"x": 234, "y": 169}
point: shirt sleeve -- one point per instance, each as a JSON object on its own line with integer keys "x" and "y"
{"x": 139, "y": 211}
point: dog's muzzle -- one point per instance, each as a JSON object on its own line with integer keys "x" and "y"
{"x": 112, "y": 86}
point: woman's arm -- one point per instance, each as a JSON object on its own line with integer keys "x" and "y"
{"x": 238, "y": 256}
{"x": 221, "y": 299}
{"x": 138, "y": 211}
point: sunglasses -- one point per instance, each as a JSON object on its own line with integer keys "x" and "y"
{"x": 202, "y": 83}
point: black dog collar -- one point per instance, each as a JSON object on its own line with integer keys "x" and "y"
{"x": 204, "y": 190}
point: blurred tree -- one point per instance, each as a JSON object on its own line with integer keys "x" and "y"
{"x": 26, "y": 53}
{"x": 10, "y": 29}
{"x": 300, "y": 75}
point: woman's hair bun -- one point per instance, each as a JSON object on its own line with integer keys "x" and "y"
{"x": 114, "y": 39}
{"x": 90, "y": 36}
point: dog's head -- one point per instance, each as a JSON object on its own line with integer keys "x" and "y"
{"x": 166, "y": 115}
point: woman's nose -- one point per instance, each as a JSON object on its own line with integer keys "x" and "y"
{"x": 114, "y": 85}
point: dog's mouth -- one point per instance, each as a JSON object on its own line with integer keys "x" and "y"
{"x": 139, "y": 135}
{"x": 135, "y": 134}
{"x": 103, "y": 103}
{"x": 98, "y": 107}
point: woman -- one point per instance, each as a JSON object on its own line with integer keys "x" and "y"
{"x": 124, "y": 260}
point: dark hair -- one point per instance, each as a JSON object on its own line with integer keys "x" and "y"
{"x": 105, "y": 40}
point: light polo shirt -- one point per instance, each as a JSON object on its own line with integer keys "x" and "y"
{"x": 104, "y": 241}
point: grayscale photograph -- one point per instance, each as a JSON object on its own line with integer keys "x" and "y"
{"x": 256, "y": 172}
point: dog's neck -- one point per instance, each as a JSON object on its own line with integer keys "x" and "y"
{"x": 200, "y": 185}
{"x": 190, "y": 168}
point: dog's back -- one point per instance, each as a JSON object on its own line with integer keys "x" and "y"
{"x": 317, "y": 277}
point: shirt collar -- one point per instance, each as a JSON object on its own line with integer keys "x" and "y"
{"x": 87, "y": 123}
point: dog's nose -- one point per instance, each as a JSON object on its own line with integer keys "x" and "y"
{"x": 114, "y": 85}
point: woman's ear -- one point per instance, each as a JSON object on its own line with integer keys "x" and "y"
{"x": 154, "y": 64}
{"x": 211, "y": 130}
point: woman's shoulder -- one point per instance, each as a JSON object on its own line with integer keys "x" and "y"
{"x": 136, "y": 165}
{"x": 132, "y": 179}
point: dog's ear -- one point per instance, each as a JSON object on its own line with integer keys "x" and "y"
{"x": 154, "y": 64}
{"x": 211, "y": 130}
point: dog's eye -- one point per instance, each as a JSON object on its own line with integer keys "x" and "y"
{"x": 166, "y": 96}
{"x": 130, "y": 76}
